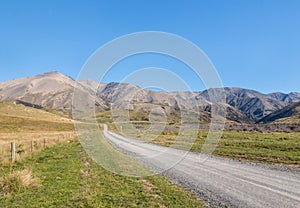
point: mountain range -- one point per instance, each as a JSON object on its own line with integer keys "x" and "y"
{"x": 53, "y": 90}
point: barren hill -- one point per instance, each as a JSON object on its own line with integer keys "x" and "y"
{"x": 50, "y": 90}
{"x": 55, "y": 91}
{"x": 288, "y": 114}
{"x": 254, "y": 104}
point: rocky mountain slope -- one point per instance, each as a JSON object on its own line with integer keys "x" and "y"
{"x": 55, "y": 91}
{"x": 254, "y": 104}
{"x": 131, "y": 97}
{"x": 288, "y": 114}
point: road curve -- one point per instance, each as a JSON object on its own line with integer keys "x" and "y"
{"x": 221, "y": 182}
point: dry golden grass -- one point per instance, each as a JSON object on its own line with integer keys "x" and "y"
{"x": 288, "y": 120}
{"x": 20, "y": 111}
{"x": 27, "y": 145}
{"x": 32, "y": 129}
{"x": 18, "y": 122}
{"x": 15, "y": 136}
{"x": 18, "y": 181}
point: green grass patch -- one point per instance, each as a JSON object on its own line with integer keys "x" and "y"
{"x": 266, "y": 147}
{"x": 255, "y": 146}
{"x": 251, "y": 146}
{"x": 68, "y": 178}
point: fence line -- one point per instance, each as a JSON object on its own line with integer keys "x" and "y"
{"x": 15, "y": 150}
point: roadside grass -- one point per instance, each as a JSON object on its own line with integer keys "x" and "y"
{"x": 64, "y": 176}
{"x": 277, "y": 147}
{"x": 256, "y": 146}
{"x": 69, "y": 178}
{"x": 250, "y": 146}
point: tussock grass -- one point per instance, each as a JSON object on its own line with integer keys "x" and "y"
{"x": 18, "y": 181}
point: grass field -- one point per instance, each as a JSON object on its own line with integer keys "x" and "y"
{"x": 251, "y": 146}
{"x": 18, "y": 122}
{"x": 64, "y": 176}
{"x": 256, "y": 146}
{"x": 30, "y": 128}
{"x": 242, "y": 145}
{"x": 18, "y": 118}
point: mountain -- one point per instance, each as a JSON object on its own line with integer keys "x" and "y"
{"x": 288, "y": 114}
{"x": 254, "y": 104}
{"x": 120, "y": 96}
{"x": 55, "y": 91}
{"x": 286, "y": 98}
{"x": 134, "y": 98}
{"x": 50, "y": 90}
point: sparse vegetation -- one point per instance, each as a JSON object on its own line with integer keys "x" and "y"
{"x": 288, "y": 120}
{"x": 17, "y": 118}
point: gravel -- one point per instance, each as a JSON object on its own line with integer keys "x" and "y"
{"x": 220, "y": 182}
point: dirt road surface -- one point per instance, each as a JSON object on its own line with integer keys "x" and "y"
{"x": 221, "y": 182}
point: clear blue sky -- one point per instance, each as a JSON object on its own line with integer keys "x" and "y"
{"x": 253, "y": 43}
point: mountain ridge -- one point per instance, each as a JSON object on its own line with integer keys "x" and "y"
{"x": 290, "y": 111}
{"x": 54, "y": 90}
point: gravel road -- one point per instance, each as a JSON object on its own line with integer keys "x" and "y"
{"x": 220, "y": 182}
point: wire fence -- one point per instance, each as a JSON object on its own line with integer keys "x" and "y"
{"x": 11, "y": 151}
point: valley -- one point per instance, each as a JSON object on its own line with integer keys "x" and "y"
{"x": 260, "y": 130}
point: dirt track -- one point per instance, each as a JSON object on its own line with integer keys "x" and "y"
{"x": 221, "y": 182}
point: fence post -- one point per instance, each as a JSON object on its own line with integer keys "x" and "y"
{"x": 2, "y": 152}
{"x": 31, "y": 146}
{"x": 13, "y": 151}
{"x": 44, "y": 143}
